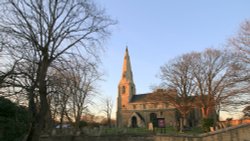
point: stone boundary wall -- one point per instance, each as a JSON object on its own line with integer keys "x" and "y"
{"x": 236, "y": 122}
{"x": 235, "y": 133}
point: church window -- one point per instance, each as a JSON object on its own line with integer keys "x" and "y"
{"x": 124, "y": 75}
{"x": 123, "y": 89}
{"x": 134, "y": 106}
{"x": 153, "y": 119}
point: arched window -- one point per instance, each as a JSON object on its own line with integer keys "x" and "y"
{"x": 123, "y": 89}
{"x": 153, "y": 119}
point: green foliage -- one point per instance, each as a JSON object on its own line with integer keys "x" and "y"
{"x": 14, "y": 120}
{"x": 7, "y": 108}
{"x": 82, "y": 124}
{"x": 126, "y": 131}
{"x": 168, "y": 130}
{"x": 207, "y": 123}
{"x": 194, "y": 131}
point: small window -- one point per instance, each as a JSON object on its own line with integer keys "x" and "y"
{"x": 123, "y": 89}
{"x": 134, "y": 106}
{"x": 124, "y": 75}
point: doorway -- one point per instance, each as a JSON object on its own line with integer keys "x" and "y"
{"x": 134, "y": 122}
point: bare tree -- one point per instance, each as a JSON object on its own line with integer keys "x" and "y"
{"x": 205, "y": 80}
{"x": 107, "y": 109}
{"x": 75, "y": 86}
{"x": 59, "y": 95}
{"x": 82, "y": 89}
{"x": 246, "y": 112}
{"x": 7, "y": 67}
{"x": 178, "y": 75}
{"x": 217, "y": 77}
{"x": 241, "y": 41}
{"x": 50, "y": 29}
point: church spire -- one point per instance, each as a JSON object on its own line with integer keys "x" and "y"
{"x": 126, "y": 89}
{"x": 127, "y": 74}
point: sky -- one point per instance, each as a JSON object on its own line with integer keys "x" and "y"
{"x": 156, "y": 31}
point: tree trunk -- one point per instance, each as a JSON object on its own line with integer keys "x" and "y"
{"x": 109, "y": 122}
{"x": 181, "y": 125}
{"x": 40, "y": 118}
{"x": 205, "y": 112}
{"x": 61, "y": 118}
{"x": 32, "y": 136}
{"x": 39, "y": 121}
{"x": 217, "y": 114}
{"x": 33, "y": 110}
{"x": 184, "y": 121}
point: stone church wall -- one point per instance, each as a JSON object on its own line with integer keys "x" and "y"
{"x": 125, "y": 117}
{"x": 168, "y": 114}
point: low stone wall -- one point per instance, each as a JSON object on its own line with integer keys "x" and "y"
{"x": 236, "y": 122}
{"x": 236, "y": 133}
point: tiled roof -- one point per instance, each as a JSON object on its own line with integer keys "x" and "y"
{"x": 141, "y": 98}
{"x": 157, "y": 96}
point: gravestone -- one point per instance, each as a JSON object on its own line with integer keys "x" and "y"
{"x": 212, "y": 129}
{"x": 53, "y": 133}
{"x": 150, "y": 126}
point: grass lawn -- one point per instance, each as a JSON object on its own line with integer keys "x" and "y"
{"x": 194, "y": 131}
{"x": 145, "y": 131}
{"x": 126, "y": 131}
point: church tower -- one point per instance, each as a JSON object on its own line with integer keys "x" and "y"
{"x": 126, "y": 88}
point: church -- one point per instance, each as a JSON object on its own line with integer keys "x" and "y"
{"x": 140, "y": 110}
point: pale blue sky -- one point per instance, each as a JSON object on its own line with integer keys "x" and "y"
{"x": 156, "y": 31}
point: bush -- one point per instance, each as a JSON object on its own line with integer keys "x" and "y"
{"x": 82, "y": 124}
{"x": 14, "y": 120}
{"x": 207, "y": 123}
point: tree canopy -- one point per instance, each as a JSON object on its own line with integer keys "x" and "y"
{"x": 36, "y": 36}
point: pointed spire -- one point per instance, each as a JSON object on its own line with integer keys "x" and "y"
{"x": 127, "y": 70}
